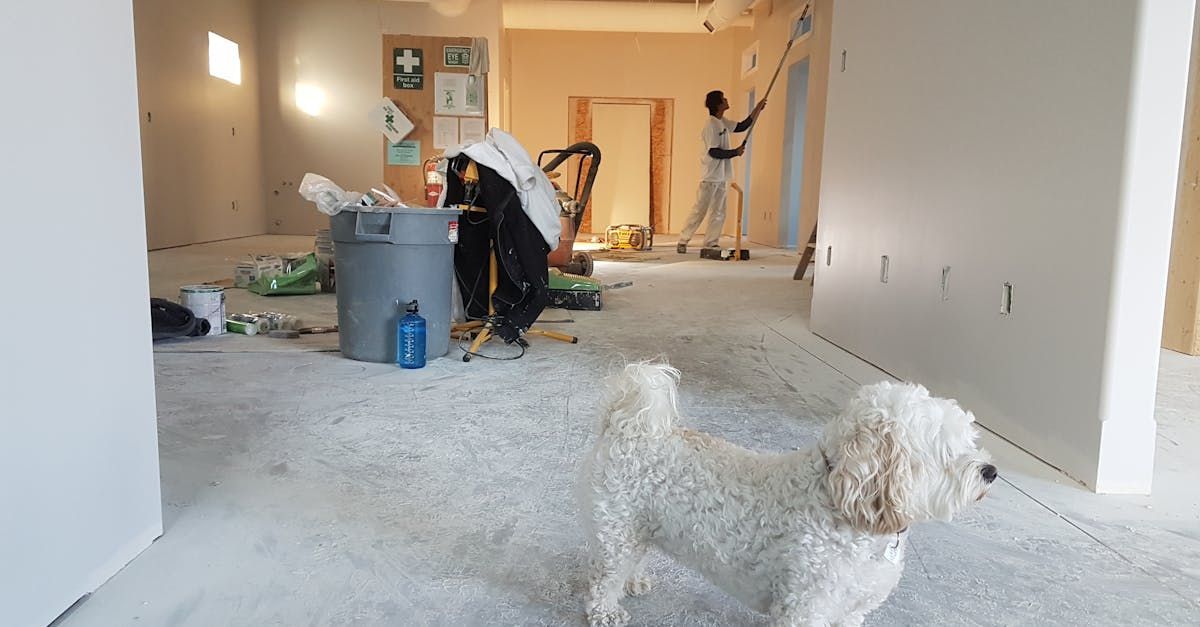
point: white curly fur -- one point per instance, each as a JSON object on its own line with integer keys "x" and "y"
{"x": 812, "y": 537}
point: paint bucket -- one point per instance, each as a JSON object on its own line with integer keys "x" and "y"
{"x": 207, "y": 302}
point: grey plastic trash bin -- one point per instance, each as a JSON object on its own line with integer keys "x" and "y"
{"x": 387, "y": 257}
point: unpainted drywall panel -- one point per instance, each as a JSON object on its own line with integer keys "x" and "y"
{"x": 622, "y": 196}
{"x": 200, "y": 134}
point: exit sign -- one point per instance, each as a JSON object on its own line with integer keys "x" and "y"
{"x": 457, "y": 56}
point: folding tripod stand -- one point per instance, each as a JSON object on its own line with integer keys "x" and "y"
{"x": 484, "y": 330}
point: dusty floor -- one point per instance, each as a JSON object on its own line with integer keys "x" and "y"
{"x": 301, "y": 488}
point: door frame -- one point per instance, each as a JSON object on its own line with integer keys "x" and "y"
{"x": 662, "y": 129}
{"x": 793, "y": 161}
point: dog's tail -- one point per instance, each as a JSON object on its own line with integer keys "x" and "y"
{"x": 642, "y": 401}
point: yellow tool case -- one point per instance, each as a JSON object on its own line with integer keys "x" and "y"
{"x": 630, "y": 237}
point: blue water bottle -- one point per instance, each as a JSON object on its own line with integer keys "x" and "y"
{"x": 410, "y": 339}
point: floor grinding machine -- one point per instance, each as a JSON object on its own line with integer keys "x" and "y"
{"x": 571, "y": 285}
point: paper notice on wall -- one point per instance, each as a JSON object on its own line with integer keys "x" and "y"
{"x": 471, "y": 131}
{"x": 404, "y": 153}
{"x": 389, "y": 119}
{"x": 475, "y": 94}
{"x": 445, "y": 132}
{"x": 449, "y": 94}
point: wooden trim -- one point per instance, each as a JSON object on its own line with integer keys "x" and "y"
{"x": 662, "y": 134}
{"x": 1181, "y": 319}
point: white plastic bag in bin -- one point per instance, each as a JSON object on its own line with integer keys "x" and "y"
{"x": 329, "y": 198}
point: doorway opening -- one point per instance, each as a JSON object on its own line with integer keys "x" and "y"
{"x": 581, "y": 122}
{"x": 793, "y": 153}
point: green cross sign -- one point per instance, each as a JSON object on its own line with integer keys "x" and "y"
{"x": 408, "y": 68}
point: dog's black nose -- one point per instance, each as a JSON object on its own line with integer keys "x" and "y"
{"x": 988, "y": 472}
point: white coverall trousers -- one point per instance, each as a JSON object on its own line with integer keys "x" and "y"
{"x": 709, "y": 198}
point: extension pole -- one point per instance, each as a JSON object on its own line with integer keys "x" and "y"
{"x": 774, "y": 77}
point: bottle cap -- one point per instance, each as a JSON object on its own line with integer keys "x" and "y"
{"x": 413, "y": 307}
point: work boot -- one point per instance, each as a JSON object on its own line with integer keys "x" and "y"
{"x": 681, "y": 248}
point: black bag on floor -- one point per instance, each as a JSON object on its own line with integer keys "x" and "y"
{"x": 169, "y": 320}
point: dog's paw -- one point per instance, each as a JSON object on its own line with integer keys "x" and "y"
{"x": 616, "y": 617}
{"x": 637, "y": 586}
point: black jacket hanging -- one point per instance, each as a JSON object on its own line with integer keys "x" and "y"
{"x": 522, "y": 289}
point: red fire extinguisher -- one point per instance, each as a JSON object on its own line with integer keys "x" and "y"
{"x": 434, "y": 182}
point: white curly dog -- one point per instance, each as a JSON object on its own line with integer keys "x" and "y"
{"x": 812, "y": 537}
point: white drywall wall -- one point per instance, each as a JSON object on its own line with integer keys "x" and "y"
{"x": 79, "y": 483}
{"x": 1025, "y": 142}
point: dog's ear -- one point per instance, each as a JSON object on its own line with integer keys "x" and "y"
{"x": 871, "y": 477}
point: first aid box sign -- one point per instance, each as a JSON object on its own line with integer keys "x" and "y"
{"x": 408, "y": 68}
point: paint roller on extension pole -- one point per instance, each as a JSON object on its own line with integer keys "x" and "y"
{"x": 775, "y": 76}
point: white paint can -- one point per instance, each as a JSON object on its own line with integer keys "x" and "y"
{"x": 207, "y": 302}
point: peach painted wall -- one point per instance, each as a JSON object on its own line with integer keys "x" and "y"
{"x": 548, "y": 67}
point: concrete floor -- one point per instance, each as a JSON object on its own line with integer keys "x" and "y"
{"x": 301, "y": 488}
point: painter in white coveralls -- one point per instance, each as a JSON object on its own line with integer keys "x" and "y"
{"x": 716, "y": 169}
